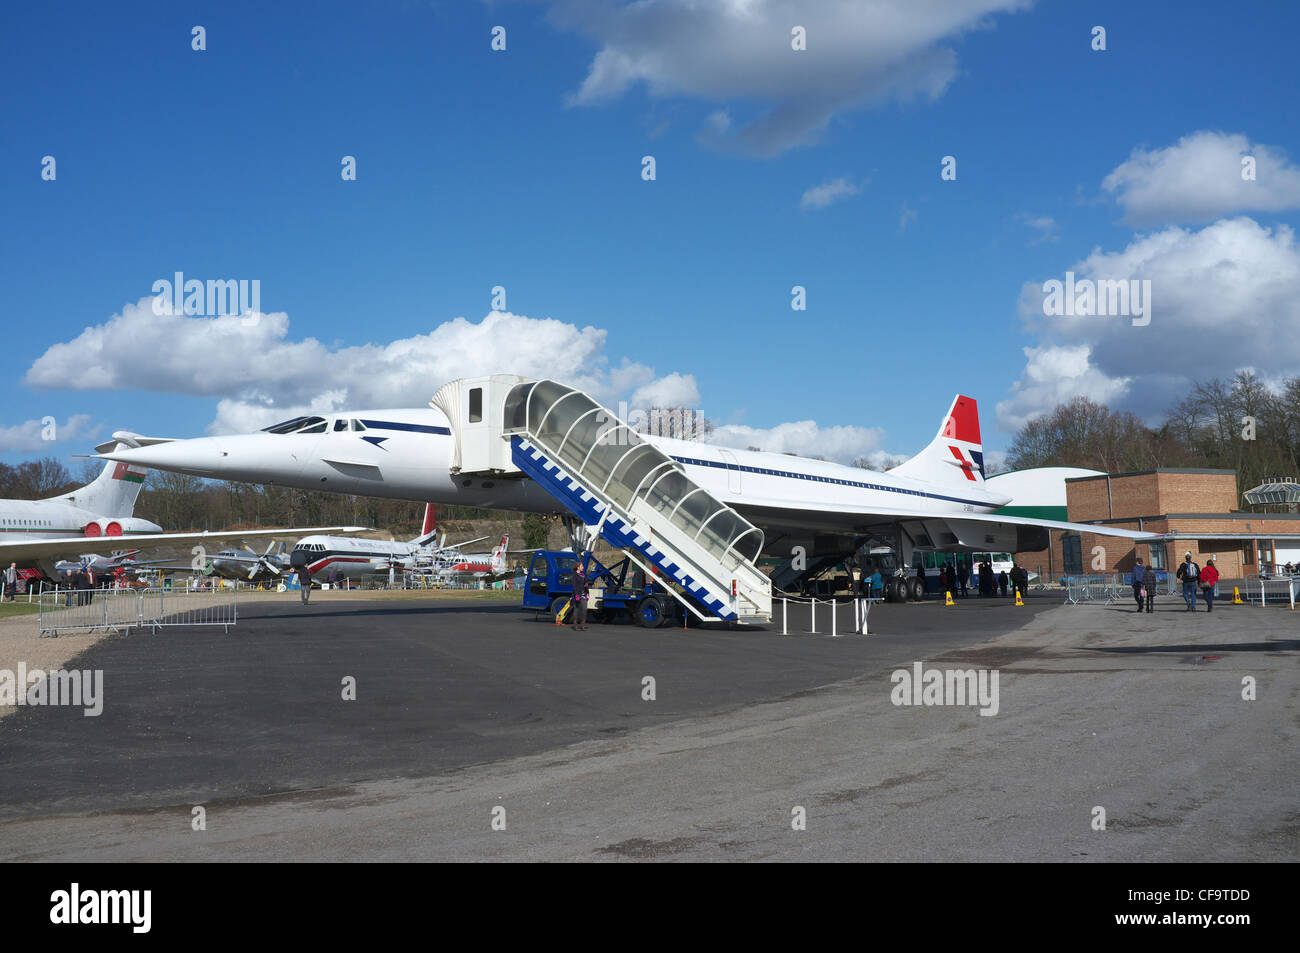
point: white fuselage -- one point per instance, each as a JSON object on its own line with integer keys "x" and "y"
{"x": 351, "y": 557}
{"x": 407, "y": 454}
{"x": 30, "y": 520}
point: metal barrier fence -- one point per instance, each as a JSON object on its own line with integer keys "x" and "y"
{"x": 120, "y": 609}
{"x": 1263, "y": 592}
{"x": 1118, "y": 587}
{"x": 836, "y": 617}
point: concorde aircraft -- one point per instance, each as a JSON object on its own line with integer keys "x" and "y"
{"x": 935, "y": 501}
{"x": 97, "y": 519}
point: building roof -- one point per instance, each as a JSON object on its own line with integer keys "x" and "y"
{"x": 1274, "y": 492}
{"x": 1133, "y": 473}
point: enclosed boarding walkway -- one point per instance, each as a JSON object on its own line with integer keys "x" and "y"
{"x": 639, "y": 499}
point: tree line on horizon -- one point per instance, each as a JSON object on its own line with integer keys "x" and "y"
{"x": 1233, "y": 423}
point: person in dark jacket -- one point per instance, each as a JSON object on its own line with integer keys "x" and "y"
{"x": 1002, "y": 584}
{"x": 580, "y": 590}
{"x": 1019, "y": 580}
{"x": 1140, "y": 574}
{"x": 1188, "y": 572}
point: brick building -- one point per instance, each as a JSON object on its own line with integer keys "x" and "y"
{"x": 1198, "y": 508}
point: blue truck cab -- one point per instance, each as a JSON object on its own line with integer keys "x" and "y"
{"x": 620, "y": 593}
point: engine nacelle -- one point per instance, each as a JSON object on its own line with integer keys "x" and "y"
{"x": 118, "y": 526}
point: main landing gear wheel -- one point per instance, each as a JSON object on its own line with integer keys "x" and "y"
{"x": 916, "y": 590}
{"x": 650, "y": 612}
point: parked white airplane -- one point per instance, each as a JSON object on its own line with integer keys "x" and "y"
{"x": 936, "y": 501}
{"x": 96, "y": 519}
{"x": 346, "y": 557}
{"x": 476, "y": 565}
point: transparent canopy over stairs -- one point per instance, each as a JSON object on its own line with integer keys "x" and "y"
{"x": 605, "y": 474}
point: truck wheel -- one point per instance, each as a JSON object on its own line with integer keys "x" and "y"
{"x": 558, "y": 603}
{"x": 650, "y": 613}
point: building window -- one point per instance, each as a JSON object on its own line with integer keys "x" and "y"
{"x": 1248, "y": 553}
{"x": 1072, "y": 555}
{"x": 1158, "y": 556}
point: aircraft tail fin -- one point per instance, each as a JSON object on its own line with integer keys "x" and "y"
{"x": 499, "y": 554}
{"x": 955, "y": 457}
{"x": 429, "y": 531}
{"x": 113, "y": 492}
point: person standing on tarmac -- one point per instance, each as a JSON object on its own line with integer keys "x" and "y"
{"x": 1019, "y": 580}
{"x": 11, "y": 581}
{"x": 580, "y": 589}
{"x": 304, "y": 582}
{"x": 1188, "y": 571}
{"x": 1209, "y": 578}
{"x": 1140, "y": 580}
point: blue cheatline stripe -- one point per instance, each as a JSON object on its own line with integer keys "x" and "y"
{"x": 791, "y": 475}
{"x": 395, "y": 425}
{"x": 615, "y": 530}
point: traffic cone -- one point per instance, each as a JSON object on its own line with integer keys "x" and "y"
{"x": 1019, "y": 601}
{"x": 947, "y": 599}
{"x": 1236, "y": 596}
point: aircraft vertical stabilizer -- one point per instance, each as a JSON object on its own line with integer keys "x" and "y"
{"x": 113, "y": 492}
{"x": 955, "y": 457}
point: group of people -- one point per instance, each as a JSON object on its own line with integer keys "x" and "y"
{"x": 81, "y": 586}
{"x": 1189, "y": 573}
{"x": 955, "y": 579}
{"x": 1193, "y": 576}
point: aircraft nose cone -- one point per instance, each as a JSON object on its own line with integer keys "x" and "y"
{"x": 200, "y": 457}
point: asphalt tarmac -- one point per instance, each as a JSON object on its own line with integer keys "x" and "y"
{"x": 196, "y": 714}
{"x": 461, "y": 710}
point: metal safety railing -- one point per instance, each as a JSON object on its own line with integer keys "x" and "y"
{"x": 121, "y": 609}
{"x": 1263, "y": 592}
{"x": 638, "y": 498}
{"x": 835, "y": 616}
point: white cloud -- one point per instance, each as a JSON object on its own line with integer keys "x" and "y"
{"x": 842, "y": 444}
{"x": 261, "y": 375}
{"x": 672, "y": 390}
{"x": 1054, "y": 375}
{"x": 858, "y": 54}
{"x": 820, "y": 196}
{"x": 1223, "y": 297}
{"x": 1199, "y": 178}
{"x": 1045, "y": 226}
{"x": 29, "y": 436}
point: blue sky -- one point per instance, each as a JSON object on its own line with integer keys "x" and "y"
{"x": 522, "y": 168}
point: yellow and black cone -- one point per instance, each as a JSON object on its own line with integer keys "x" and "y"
{"x": 947, "y": 599}
{"x": 1019, "y": 601}
{"x": 1236, "y": 597}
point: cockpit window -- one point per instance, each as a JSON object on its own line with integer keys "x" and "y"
{"x": 289, "y": 426}
{"x": 299, "y": 425}
{"x": 314, "y": 425}
{"x": 358, "y": 426}
{"x": 340, "y": 424}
